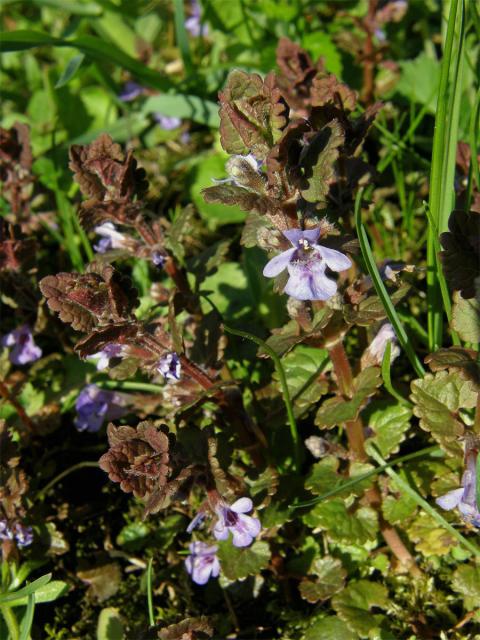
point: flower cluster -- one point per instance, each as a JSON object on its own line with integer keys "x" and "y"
{"x": 22, "y": 534}
{"x": 203, "y": 562}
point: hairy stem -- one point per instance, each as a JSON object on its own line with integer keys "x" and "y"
{"x": 22, "y": 414}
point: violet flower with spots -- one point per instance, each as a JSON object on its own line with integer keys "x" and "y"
{"x": 168, "y": 123}
{"x": 24, "y": 348}
{"x": 465, "y": 498}
{"x": 169, "y": 366}
{"x": 202, "y": 563}
{"x": 158, "y": 259}
{"x": 95, "y": 406}
{"x": 232, "y": 519}
{"x": 109, "y": 351}
{"x": 306, "y": 263}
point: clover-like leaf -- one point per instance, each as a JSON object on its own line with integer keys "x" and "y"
{"x": 104, "y": 172}
{"x": 389, "y": 421}
{"x": 250, "y": 201}
{"x": 336, "y": 410}
{"x": 461, "y": 252}
{"x": 330, "y": 579}
{"x": 252, "y": 114}
{"x": 430, "y": 538}
{"x": 98, "y": 296}
{"x": 342, "y": 525}
{"x": 466, "y": 317}
{"x": 437, "y": 399}
{"x": 354, "y": 605}
{"x": 466, "y": 582}
{"x": 317, "y": 163}
{"x": 138, "y": 458}
{"x": 240, "y": 562}
{"x": 465, "y": 361}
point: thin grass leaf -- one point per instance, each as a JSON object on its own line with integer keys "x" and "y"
{"x": 70, "y": 70}
{"x": 95, "y": 48}
{"x": 75, "y": 8}
{"x": 474, "y": 172}
{"x": 181, "y": 34}
{"x": 184, "y": 106}
{"x": 27, "y": 620}
{"x": 443, "y": 160}
{"x": 390, "y": 310}
{"x": 151, "y": 617}
{"x": 406, "y": 488}
{"x": 387, "y": 380}
{"x": 370, "y": 474}
{"x": 26, "y": 591}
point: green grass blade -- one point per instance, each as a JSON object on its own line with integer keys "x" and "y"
{"x": 181, "y": 34}
{"x": 390, "y": 310}
{"x": 184, "y": 106}
{"x": 443, "y": 160}
{"x": 26, "y": 591}
{"x": 375, "y": 472}
{"x": 387, "y": 380}
{"x": 95, "y": 48}
{"x": 151, "y": 617}
{"x": 27, "y": 621}
{"x": 404, "y": 487}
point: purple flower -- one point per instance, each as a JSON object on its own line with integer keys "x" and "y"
{"x": 112, "y": 350}
{"x": 111, "y": 238}
{"x": 169, "y": 366}
{"x": 5, "y": 532}
{"x": 203, "y": 563}
{"x": 130, "y": 91}
{"x": 464, "y": 498}
{"x": 23, "y": 535}
{"x": 232, "y": 518}
{"x": 24, "y": 348}
{"x": 168, "y": 123}
{"x": 376, "y": 349}
{"x": 192, "y": 23}
{"x": 158, "y": 259}
{"x": 306, "y": 264}
{"x": 95, "y": 405}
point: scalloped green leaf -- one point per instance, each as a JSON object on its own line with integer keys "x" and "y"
{"x": 318, "y": 162}
{"x": 466, "y": 318}
{"x": 329, "y": 628}
{"x": 430, "y": 538}
{"x": 335, "y": 411}
{"x": 390, "y": 421}
{"x": 239, "y": 563}
{"x": 466, "y": 581}
{"x": 437, "y": 399}
{"x": 330, "y": 576}
{"x": 342, "y": 525}
{"x": 354, "y": 605}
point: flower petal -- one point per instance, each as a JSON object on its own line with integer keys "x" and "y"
{"x": 202, "y": 570}
{"x": 243, "y": 505}
{"x": 335, "y": 260}
{"x": 450, "y": 500}
{"x": 241, "y": 538}
{"x": 252, "y": 525}
{"x": 215, "y": 567}
{"x": 295, "y": 235}
{"x": 220, "y": 531}
{"x": 322, "y": 286}
{"x": 299, "y": 285}
{"x": 278, "y": 264}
